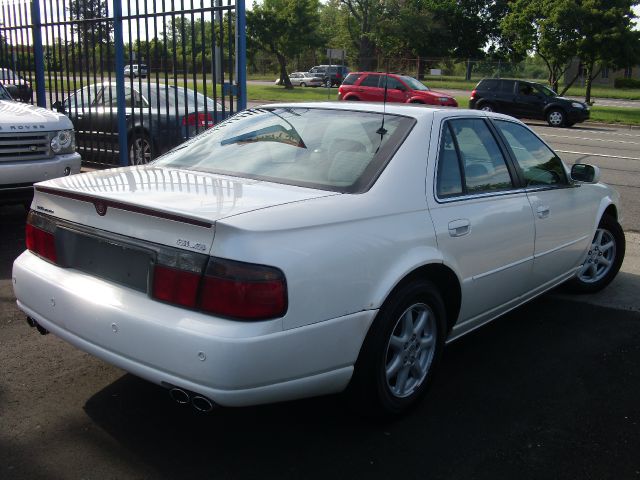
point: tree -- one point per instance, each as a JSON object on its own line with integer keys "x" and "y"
{"x": 607, "y": 38}
{"x": 91, "y": 32}
{"x": 548, "y": 28}
{"x": 284, "y": 28}
{"x": 366, "y": 14}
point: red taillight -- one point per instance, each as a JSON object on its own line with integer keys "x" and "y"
{"x": 226, "y": 288}
{"x": 175, "y": 286}
{"x": 40, "y": 242}
{"x": 473, "y": 95}
{"x": 198, "y": 119}
{"x": 338, "y": 76}
{"x": 243, "y": 290}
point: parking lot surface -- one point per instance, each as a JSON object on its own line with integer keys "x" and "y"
{"x": 548, "y": 391}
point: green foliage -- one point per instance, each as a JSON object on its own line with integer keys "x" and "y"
{"x": 626, "y": 83}
{"x": 284, "y": 28}
{"x": 91, "y": 33}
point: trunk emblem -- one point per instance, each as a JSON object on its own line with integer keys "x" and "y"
{"x": 101, "y": 207}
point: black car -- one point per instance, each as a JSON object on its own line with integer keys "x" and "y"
{"x": 159, "y": 117}
{"x": 16, "y": 85}
{"x": 524, "y": 99}
{"x": 333, "y": 74}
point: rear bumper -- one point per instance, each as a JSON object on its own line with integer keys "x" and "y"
{"x": 232, "y": 363}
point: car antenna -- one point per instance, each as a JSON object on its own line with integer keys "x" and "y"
{"x": 382, "y": 131}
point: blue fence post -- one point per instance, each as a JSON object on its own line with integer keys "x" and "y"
{"x": 38, "y": 54}
{"x": 123, "y": 145}
{"x": 241, "y": 54}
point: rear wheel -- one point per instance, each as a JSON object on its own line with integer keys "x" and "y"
{"x": 139, "y": 149}
{"x": 603, "y": 259}
{"x": 556, "y": 118}
{"x": 487, "y": 107}
{"x": 401, "y": 350}
{"x": 327, "y": 83}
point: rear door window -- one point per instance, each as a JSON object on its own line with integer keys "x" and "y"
{"x": 351, "y": 79}
{"x": 482, "y": 168}
{"x": 370, "y": 81}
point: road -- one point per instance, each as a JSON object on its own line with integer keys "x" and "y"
{"x": 548, "y": 391}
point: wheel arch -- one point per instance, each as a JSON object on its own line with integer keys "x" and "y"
{"x": 445, "y": 280}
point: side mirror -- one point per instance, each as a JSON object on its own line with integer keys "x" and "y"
{"x": 58, "y": 106}
{"x": 582, "y": 172}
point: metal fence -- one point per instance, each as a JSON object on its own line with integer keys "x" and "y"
{"x": 160, "y": 70}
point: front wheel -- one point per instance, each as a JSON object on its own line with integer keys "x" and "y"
{"x": 302, "y": 84}
{"x": 139, "y": 149}
{"x": 401, "y": 350}
{"x": 603, "y": 260}
{"x": 327, "y": 83}
{"x": 556, "y": 118}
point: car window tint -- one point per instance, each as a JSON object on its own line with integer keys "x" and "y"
{"x": 351, "y": 79}
{"x": 370, "y": 81}
{"x": 393, "y": 83}
{"x": 83, "y": 98}
{"x": 539, "y": 164}
{"x": 506, "y": 86}
{"x": 489, "y": 85}
{"x": 485, "y": 168}
{"x": 448, "y": 178}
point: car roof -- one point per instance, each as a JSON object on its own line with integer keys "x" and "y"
{"x": 405, "y": 109}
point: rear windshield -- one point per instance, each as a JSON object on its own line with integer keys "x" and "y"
{"x": 342, "y": 151}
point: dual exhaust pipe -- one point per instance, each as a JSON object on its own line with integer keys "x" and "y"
{"x": 199, "y": 402}
{"x": 33, "y": 324}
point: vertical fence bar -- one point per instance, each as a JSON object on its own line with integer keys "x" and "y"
{"x": 119, "y": 66}
{"x": 241, "y": 54}
{"x": 38, "y": 54}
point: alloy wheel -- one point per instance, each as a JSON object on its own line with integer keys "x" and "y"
{"x": 410, "y": 350}
{"x": 600, "y": 258}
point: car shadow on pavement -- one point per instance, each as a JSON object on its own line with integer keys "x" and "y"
{"x": 549, "y": 391}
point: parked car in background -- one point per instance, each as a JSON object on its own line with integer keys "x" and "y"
{"x": 333, "y": 74}
{"x": 136, "y": 70}
{"x": 370, "y": 87}
{"x": 524, "y": 99}
{"x": 304, "y": 249}
{"x": 159, "y": 117}
{"x": 17, "y": 86}
{"x": 35, "y": 144}
{"x": 304, "y": 79}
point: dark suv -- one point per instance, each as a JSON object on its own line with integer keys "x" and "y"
{"x": 520, "y": 98}
{"x": 333, "y": 74}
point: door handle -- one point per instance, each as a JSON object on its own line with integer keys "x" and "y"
{"x": 458, "y": 228}
{"x": 543, "y": 211}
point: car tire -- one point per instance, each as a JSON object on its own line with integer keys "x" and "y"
{"x": 327, "y": 83}
{"x": 603, "y": 259}
{"x": 140, "y": 149}
{"x": 302, "y": 84}
{"x": 487, "y": 107}
{"x": 556, "y": 118}
{"x": 400, "y": 352}
{"x": 352, "y": 99}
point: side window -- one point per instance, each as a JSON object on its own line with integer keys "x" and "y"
{"x": 351, "y": 79}
{"x": 485, "y": 168}
{"x": 370, "y": 81}
{"x": 489, "y": 85}
{"x": 448, "y": 178}
{"x": 506, "y": 86}
{"x": 393, "y": 83}
{"x": 539, "y": 164}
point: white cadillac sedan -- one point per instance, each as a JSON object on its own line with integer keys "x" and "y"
{"x": 307, "y": 249}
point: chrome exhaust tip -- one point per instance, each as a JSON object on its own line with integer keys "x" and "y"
{"x": 179, "y": 395}
{"x": 32, "y": 323}
{"x": 202, "y": 404}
